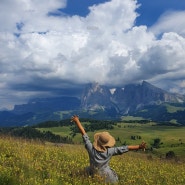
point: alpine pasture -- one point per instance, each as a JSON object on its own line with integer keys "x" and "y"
{"x": 35, "y": 162}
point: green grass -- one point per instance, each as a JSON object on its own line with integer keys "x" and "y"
{"x": 172, "y": 109}
{"x": 62, "y": 131}
{"x": 172, "y": 137}
{"x": 25, "y": 162}
{"x": 131, "y": 118}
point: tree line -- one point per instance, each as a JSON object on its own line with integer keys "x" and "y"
{"x": 33, "y": 133}
{"x": 93, "y": 125}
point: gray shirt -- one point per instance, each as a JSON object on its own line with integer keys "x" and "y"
{"x": 99, "y": 161}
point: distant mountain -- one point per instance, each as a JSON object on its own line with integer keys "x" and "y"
{"x": 38, "y": 110}
{"x": 100, "y": 102}
{"x": 48, "y": 105}
{"x": 96, "y": 96}
{"x": 9, "y": 119}
{"x": 131, "y": 98}
{"x": 134, "y": 97}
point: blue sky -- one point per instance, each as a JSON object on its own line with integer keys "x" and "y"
{"x": 149, "y": 11}
{"x": 53, "y": 48}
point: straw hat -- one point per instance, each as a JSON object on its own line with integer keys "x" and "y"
{"x": 102, "y": 141}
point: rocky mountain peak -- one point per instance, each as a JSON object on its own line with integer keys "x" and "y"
{"x": 105, "y": 103}
{"x": 95, "y": 96}
{"x": 129, "y": 98}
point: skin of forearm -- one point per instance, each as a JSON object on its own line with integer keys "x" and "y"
{"x": 79, "y": 125}
{"x": 133, "y": 147}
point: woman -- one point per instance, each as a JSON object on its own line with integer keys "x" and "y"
{"x": 101, "y": 151}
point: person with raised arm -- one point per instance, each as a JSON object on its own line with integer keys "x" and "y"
{"x": 101, "y": 151}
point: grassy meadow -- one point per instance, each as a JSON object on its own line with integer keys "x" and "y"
{"x": 172, "y": 138}
{"x": 28, "y": 162}
{"x": 35, "y": 162}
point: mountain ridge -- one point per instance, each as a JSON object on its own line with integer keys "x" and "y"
{"x": 96, "y": 101}
{"x": 127, "y": 99}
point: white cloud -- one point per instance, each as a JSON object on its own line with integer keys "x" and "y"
{"x": 42, "y": 54}
{"x": 32, "y": 13}
{"x": 171, "y": 21}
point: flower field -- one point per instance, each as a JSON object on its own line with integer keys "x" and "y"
{"x": 24, "y": 162}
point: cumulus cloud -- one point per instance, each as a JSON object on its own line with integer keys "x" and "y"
{"x": 171, "y": 21}
{"x": 43, "y": 54}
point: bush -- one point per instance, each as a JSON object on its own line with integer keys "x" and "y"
{"x": 170, "y": 155}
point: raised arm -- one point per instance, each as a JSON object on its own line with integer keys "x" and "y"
{"x": 79, "y": 125}
{"x": 137, "y": 147}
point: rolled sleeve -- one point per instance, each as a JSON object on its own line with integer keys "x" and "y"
{"x": 119, "y": 150}
{"x": 87, "y": 142}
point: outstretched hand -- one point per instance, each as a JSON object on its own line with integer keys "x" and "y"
{"x": 142, "y": 146}
{"x": 74, "y": 118}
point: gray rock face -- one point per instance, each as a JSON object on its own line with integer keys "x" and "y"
{"x": 130, "y": 98}
{"x": 95, "y": 96}
{"x": 96, "y": 100}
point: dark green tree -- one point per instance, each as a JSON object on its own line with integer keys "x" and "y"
{"x": 157, "y": 142}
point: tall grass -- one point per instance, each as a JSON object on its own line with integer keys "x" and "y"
{"x": 24, "y": 162}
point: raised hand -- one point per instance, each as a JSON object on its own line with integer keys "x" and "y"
{"x": 74, "y": 118}
{"x": 142, "y": 146}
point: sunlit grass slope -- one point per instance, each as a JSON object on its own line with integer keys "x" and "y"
{"x": 34, "y": 163}
{"x": 172, "y": 137}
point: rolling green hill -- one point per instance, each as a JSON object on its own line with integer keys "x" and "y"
{"x": 164, "y": 113}
{"x": 161, "y": 138}
{"x": 172, "y": 138}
